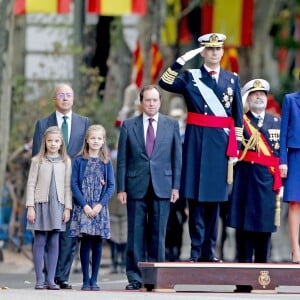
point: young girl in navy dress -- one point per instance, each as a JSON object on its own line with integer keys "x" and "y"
{"x": 92, "y": 186}
{"x": 48, "y": 203}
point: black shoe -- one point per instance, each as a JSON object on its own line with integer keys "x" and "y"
{"x": 215, "y": 259}
{"x": 65, "y": 285}
{"x": 192, "y": 260}
{"x": 243, "y": 289}
{"x": 134, "y": 285}
{"x": 212, "y": 259}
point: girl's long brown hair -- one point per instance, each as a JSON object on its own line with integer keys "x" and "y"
{"x": 62, "y": 150}
{"x": 103, "y": 153}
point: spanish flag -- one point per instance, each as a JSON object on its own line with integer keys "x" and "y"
{"x": 22, "y": 7}
{"x": 138, "y": 65}
{"x": 230, "y": 60}
{"x": 234, "y": 18}
{"x": 157, "y": 62}
{"x": 117, "y": 7}
{"x": 169, "y": 31}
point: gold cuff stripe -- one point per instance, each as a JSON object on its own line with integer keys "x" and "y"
{"x": 169, "y": 76}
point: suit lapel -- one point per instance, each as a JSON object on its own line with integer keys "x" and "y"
{"x": 139, "y": 131}
{"x": 73, "y": 129}
{"x": 52, "y": 121}
{"x": 162, "y": 129}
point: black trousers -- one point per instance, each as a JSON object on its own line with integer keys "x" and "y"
{"x": 253, "y": 246}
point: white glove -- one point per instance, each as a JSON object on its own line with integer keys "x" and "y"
{"x": 233, "y": 160}
{"x": 189, "y": 55}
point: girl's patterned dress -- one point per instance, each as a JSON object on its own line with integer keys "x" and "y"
{"x": 91, "y": 189}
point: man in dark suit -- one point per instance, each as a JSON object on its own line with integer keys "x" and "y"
{"x": 148, "y": 178}
{"x": 76, "y": 127}
{"x": 214, "y": 125}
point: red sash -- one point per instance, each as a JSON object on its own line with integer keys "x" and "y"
{"x": 268, "y": 161}
{"x": 264, "y": 155}
{"x": 216, "y": 122}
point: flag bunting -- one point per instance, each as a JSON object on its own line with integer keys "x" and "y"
{"x": 138, "y": 63}
{"x": 117, "y": 7}
{"x": 234, "y": 18}
{"x": 22, "y": 7}
{"x": 157, "y": 62}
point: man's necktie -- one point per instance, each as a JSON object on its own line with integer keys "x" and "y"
{"x": 150, "y": 138}
{"x": 260, "y": 121}
{"x": 65, "y": 130}
{"x": 213, "y": 75}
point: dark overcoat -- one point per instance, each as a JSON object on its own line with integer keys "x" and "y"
{"x": 253, "y": 200}
{"x": 204, "y": 164}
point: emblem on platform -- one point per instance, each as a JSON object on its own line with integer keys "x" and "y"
{"x": 264, "y": 278}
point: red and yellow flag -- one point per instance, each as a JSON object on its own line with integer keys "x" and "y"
{"x": 41, "y": 6}
{"x": 117, "y": 7}
{"x": 157, "y": 62}
{"x": 169, "y": 30}
{"x": 138, "y": 65}
{"x": 230, "y": 60}
{"x": 234, "y": 18}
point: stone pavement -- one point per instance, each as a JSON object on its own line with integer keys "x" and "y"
{"x": 17, "y": 282}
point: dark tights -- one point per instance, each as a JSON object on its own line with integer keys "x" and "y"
{"x": 89, "y": 243}
{"x": 41, "y": 239}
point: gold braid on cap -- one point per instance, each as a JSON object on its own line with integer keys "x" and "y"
{"x": 213, "y": 38}
{"x": 257, "y": 84}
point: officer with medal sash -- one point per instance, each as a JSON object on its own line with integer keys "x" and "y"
{"x": 212, "y": 138}
{"x": 254, "y": 203}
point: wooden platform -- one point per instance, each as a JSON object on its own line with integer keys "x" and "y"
{"x": 262, "y": 277}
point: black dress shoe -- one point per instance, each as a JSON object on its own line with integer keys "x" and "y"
{"x": 215, "y": 259}
{"x": 243, "y": 289}
{"x": 192, "y": 260}
{"x": 134, "y": 285}
{"x": 64, "y": 284}
{"x": 212, "y": 259}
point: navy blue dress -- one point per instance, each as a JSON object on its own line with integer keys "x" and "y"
{"x": 92, "y": 185}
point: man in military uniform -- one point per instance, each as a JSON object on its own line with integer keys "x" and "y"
{"x": 214, "y": 125}
{"x": 254, "y": 208}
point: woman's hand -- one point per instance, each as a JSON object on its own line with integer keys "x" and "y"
{"x": 283, "y": 170}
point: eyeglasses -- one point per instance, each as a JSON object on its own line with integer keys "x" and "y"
{"x": 64, "y": 95}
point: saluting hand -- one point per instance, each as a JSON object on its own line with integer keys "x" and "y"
{"x": 189, "y": 55}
